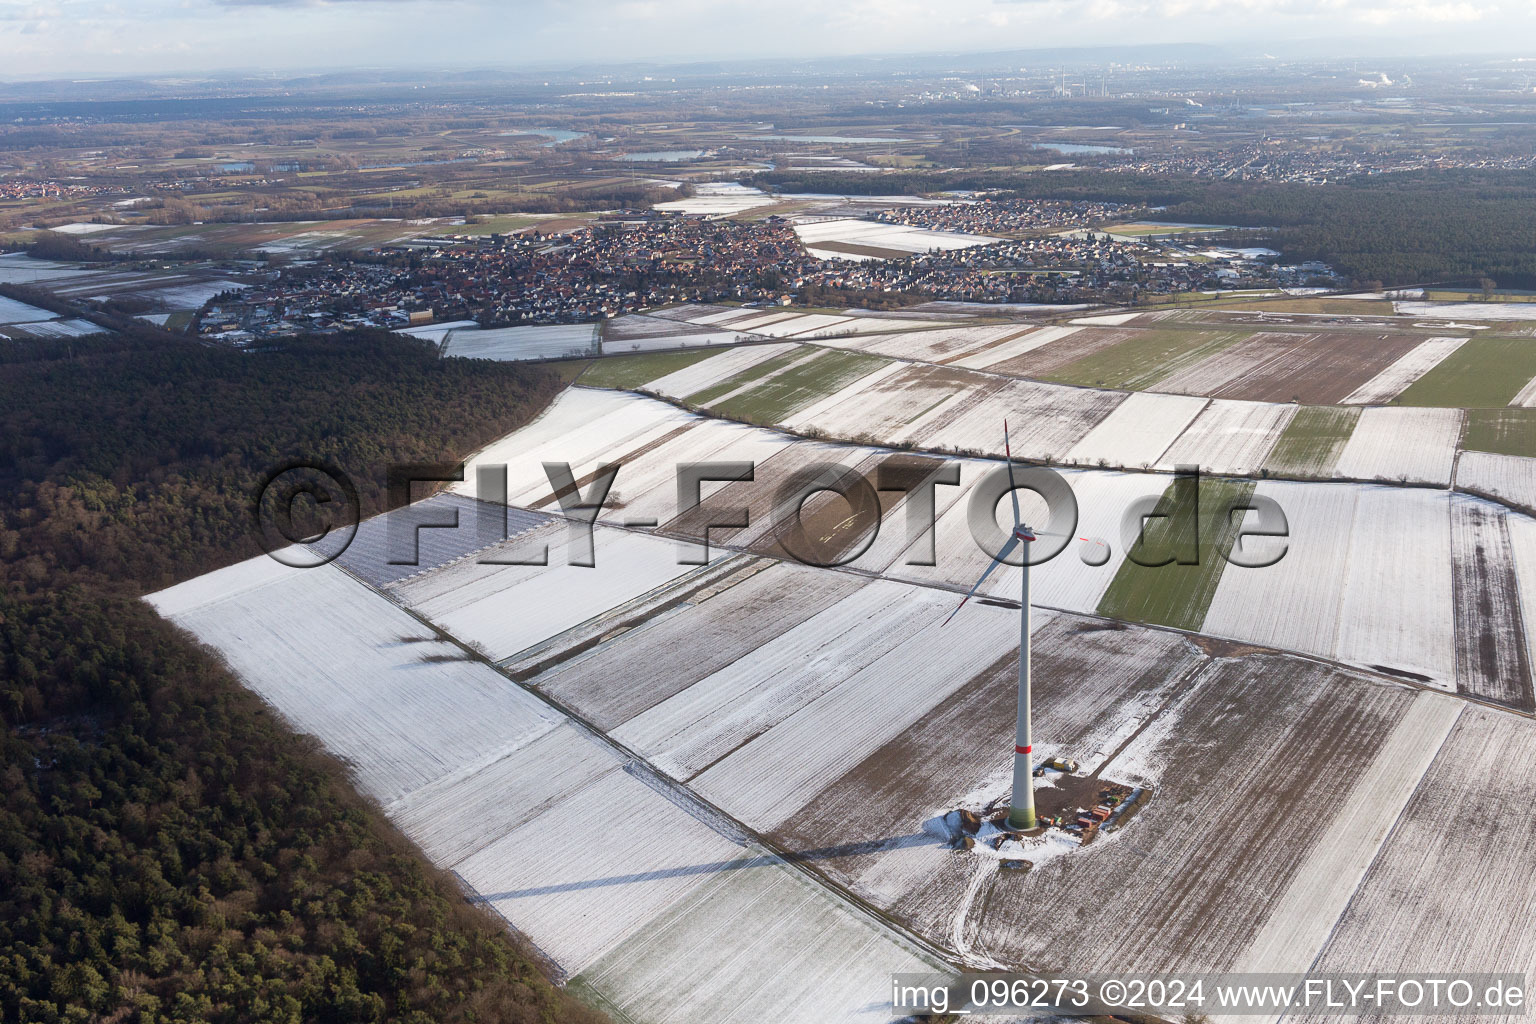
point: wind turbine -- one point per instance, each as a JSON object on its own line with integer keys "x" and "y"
{"x": 1021, "y": 808}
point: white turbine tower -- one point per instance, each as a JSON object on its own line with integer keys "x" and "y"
{"x": 1021, "y": 807}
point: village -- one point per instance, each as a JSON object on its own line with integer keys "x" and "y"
{"x": 628, "y": 262}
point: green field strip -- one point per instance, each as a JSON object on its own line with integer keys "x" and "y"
{"x": 745, "y": 377}
{"x": 1501, "y": 431}
{"x": 630, "y": 372}
{"x": 793, "y": 390}
{"x": 1337, "y": 307}
{"x": 1143, "y": 360}
{"x": 1485, "y": 373}
{"x": 1179, "y": 595}
{"x": 1313, "y": 440}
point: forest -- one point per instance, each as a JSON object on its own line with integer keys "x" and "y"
{"x": 169, "y": 851}
{"x": 1432, "y": 226}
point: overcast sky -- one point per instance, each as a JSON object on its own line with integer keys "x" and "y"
{"x": 70, "y": 37}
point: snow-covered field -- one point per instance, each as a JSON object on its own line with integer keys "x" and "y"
{"x": 1067, "y": 581}
{"x": 816, "y": 235}
{"x": 1335, "y": 593}
{"x": 191, "y": 295}
{"x": 1323, "y": 884}
{"x": 696, "y": 727}
{"x": 1194, "y": 879}
{"x": 708, "y": 372}
{"x": 720, "y": 955}
{"x": 775, "y": 322}
{"x": 555, "y": 341}
{"x": 770, "y": 778}
{"x": 1139, "y": 431}
{"x": 523, "y": 805}
{"x": 1106, "y": 319}
{"x": 584, "y": 428}
{"x": 1490, "y": 634}
{"x": 1526, "y": 399}
{"x": 695, "y": 312}
{"x": 1468, "y": 310}
{"x": 963, "y": 392}
{"x": 749, "y": 606}
{"x": 14, "y": 312}
{"x": 435, "y": 333}
{"x": 1013, "y": 348}
{"x": 1095, "y": 687}
{"x": 1230, "y": 745}
{"x": 805, "y": 325}
{"x": 1522, "y": 548}
{"x": 1446, "y": 893}
{"x": 1396, "y": 610}
{"x": 399, "y": 704}
{"x": 1227, "y": 365}
{"x": 1293, "y": 604}
{"x": 1295, "y": 810}
{"x": 1044, "y": 420}
{"x": 55, "y": 328}
{"x": 554, "y": 877}
{"x": 796, "y": 362}
{"x": 458, "y": 814}
{"x": 19, "y": 268}
{"x": 81, "y": 228}
{"x": 1510, "y": 477}
{"x": 824, "y": 410}
{"x": 718, "y": 198}
{"x": 503, "y": 609}
{"x": 1393, "y": 380}
{"x": 758, "y": 320}
{"x": 779, "y": 323}
{"x": 1402, "y": 444}
{"x": 935, "y": 346}
{"x": 869, "y": 325}
{"x": 888, "y": 407}
{"x": 1229, "y": 437}
{"x": 646, "y": 485}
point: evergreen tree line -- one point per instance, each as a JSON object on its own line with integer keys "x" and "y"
{"x": 169, "y": 851}
{"x": 1402, "y": 228}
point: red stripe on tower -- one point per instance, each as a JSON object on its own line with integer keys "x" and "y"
{"x": 1022, "y": 750}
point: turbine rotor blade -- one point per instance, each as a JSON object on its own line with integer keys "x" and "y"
{"x": 997, "y": 560}
{"x": 1012, "y": 487}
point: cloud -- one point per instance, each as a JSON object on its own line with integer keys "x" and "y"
{"x": 1425, "y": 12}
{"x": 306, "y": 3}
{"x": 28, "y": 12}
{"x": 64, "y": 37}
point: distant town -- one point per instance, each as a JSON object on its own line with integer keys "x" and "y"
{"x": 629, "y": 263}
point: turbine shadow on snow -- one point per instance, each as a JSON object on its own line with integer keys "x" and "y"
{"x": 824, "y": 853}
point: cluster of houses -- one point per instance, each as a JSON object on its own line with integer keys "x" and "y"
{"x": 633, "y": 262}
{"x": 47, "y": 188}
{"x": 1276, "y": 160}
{"x": 323, "y": 298}
{"x": 1005, "y": 216}
{"x": 617, "y": 266}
